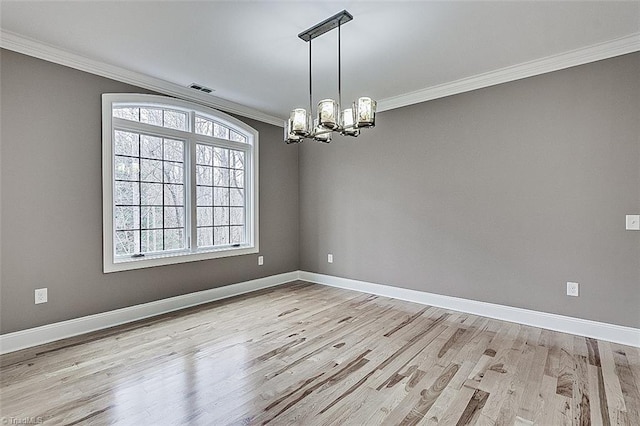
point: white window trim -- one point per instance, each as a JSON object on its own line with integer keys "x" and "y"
{"x": 110, "y": 264}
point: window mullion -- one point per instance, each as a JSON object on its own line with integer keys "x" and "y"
{"x": 223, "y": 143}
{"x": 135, "y": 126}
{"x": 193, "y": 210}
{"x": 139, "y": 198}
{"x": 163, "y": 202}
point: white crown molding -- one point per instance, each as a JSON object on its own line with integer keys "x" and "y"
{"x": 597, "y": 52}
{"x": 37, "y": 49}
{"x": 577, "y": 326}
{"x": 11, "y": 342}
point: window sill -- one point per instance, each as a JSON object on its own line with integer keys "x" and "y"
{"x": 128, "y": 264}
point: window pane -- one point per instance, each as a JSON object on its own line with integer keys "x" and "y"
{"x": 205, "y": 216}
{"x": 125, "y": 168}
{"x": 204, "y": 196}
{"x": 125, "y": 143}
{"x": 126, "y": 242}
{"x": 173, "y": 195}
{"x": 151, "y": 241}
{"x": 173, "y": 172}
{"x": 175, "y": 120}
{"x": 151, "y": 217}
{"x": 203, "y": 175}
{"x": 220, "y": 196}
{"x": 127, "y": 218}
{"x": 237, "y": 179}
{"x": 204, "y": 126}
{"x": 221, "y": 235}
{"x": 221, "y": 157}
{"x": 150, "y": 170}
{"x": 174, "y": 239}
{"x": 127, "y": 113}
{"x": 204, "y": 155}
{"x": 237, "y": 234}
{"x": 173, "y": 150}
{"x": 147, "y": 173}
{"x": 151, "y": 116}
{"x": 236, "y": 216}
{"x": 174, "y": 217}
{"x": 220, "y": 176}
{"x": 205, "y": 237}
{"x": 220, "y": 216}
{"x": 151, "y": 194}
{"x": 237, "y": 197}
{"x": 237, "y": 160}
{"x": 234, "y": 136}
{"x": 126, "y": 193}
{"x": 219, "y": 131}
{"x": 150, "y": 147}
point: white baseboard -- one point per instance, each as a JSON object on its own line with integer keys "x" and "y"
{"x": 51, "y": 332}
{"x": 23, "y": 339}
{"x": 581, "y": 327}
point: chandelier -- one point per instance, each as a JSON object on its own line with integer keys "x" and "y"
{"x": 329, "y": 118}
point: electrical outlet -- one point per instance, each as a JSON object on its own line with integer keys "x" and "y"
{"x": 633, "y": 222}
{"x": 330, "y": 258}
{"x": 573, "y": 289}
{"x": 40, "y": 295}
{"x": 260, "y": 260}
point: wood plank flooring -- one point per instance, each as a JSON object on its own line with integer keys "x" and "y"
{"x": 307, "y": 354}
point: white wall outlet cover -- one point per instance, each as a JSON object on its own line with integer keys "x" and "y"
{"x": 260, "y": 260}
{"x": 40, "y": 295}
{"x": 633, "y": 222}
{"x": 573, "y": 289}
{"x": 330, "y": 258}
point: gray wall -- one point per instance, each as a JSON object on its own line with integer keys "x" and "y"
{"x": 51, "y": 215}
{"x": 500, "y": 195}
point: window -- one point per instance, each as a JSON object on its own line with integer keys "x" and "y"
{"x": 179, "y": 183}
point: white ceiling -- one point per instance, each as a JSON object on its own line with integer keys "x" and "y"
{"x": 250, "y": 54}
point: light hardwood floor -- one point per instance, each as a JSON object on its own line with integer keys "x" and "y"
{"x": 313, "y": 355}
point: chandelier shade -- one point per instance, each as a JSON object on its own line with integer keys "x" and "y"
{"x": 300, "y": 122}
{"x": 328, "y": 113}
{"x": 329, "y": 118}
{"x": 289, "y": 136}
{"x": 366, "y": 116}
{"x": 348, "y": 123}
{"x": 321, "y": 134}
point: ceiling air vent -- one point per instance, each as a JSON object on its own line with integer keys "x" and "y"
{"x": 200, "y": 87}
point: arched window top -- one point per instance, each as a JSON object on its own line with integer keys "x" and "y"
{"x": 178, "y": 115}
{"x": 180, "y": 183}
